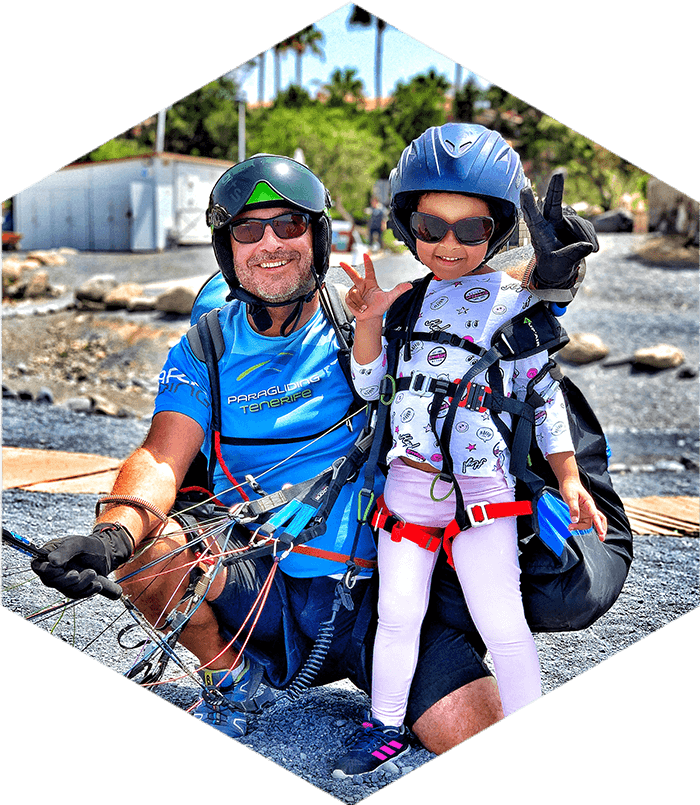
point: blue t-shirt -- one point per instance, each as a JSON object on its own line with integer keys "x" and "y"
{"x": 289, "y": 389}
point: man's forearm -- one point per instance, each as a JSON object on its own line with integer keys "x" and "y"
{"x": 154, "y": 472}
{"x": 143, "y": 477}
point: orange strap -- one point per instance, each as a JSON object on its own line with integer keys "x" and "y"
{"x": 333, "y": 556}
{"x": 423, "y": 536}
{"x": 432, "y": 538}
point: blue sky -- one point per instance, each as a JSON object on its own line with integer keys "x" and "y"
{"x": 403, "y": 57}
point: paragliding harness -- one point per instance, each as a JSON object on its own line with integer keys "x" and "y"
{"x": 557, "y": 565}
{"x": 303, "y": 508}
{"x": 312, "y": 499}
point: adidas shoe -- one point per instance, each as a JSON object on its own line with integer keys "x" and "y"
{"x": 371, "y": 748}
{"x": 226, "y": 700}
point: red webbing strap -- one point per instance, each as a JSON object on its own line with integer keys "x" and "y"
{"x": 424, "y": 536}
{"x": 431, "y": 538}
{"x": 481, "y": 513}
{"x": 333, "y": 556}
{"x": 222, "y": 464}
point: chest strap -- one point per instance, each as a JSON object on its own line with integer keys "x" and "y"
{"x": 431, "y": 538}
{"x": 476, "y": 397}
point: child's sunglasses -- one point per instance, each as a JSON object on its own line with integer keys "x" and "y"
{"x": 285, "y": 226}
{"x": 468, "y": 231}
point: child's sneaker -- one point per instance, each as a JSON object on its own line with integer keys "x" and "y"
{"x": 226, "y": 699}
{"x": 371, "y": 748}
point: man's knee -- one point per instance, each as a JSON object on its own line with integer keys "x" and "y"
{"x": 459, "y": 715}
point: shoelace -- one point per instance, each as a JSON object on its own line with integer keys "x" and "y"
{"x": 372, "y": 735}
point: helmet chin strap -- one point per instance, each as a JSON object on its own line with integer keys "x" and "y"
{"x": 259, "y": 313}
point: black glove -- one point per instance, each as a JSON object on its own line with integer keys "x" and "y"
{"x": 561, "y": 240}
{"x": 78, "y": 566}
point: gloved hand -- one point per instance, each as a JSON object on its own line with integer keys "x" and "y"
{"x": 560, "y": 239}
{"x": 77, "y": 566}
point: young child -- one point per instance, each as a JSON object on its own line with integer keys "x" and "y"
{"x": 455, "y": 199}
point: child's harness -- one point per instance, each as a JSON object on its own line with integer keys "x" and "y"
{"x": 533, "y": 330}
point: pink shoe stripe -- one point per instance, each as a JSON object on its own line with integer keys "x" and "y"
{"x": 395, "y": 744}
{"x": 378, "y": 754}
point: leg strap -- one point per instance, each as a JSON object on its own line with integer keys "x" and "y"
{"x": 478, "y": 514}
{"x": 424, "y": 536}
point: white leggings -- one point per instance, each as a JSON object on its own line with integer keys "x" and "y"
{"x": 486, "y": 561}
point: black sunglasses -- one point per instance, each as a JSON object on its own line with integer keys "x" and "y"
{"x": 468, "y": 231}
{"x": 285, "y": 226}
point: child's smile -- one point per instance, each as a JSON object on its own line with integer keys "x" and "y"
{"x": 449, "y": 259}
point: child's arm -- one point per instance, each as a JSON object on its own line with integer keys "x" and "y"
{"x": 582, "y": 509}
{"x": 369, "y": 303}
{"x": 554, "y": 440}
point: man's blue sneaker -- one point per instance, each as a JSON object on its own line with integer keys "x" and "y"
{"x": 227, "y": 699}
{"x": 368, "y": 750}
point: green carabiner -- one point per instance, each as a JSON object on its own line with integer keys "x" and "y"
{"x": 362, "y": 518}
{"x": 432, "y": 488}
{"x": 393, "y": 390}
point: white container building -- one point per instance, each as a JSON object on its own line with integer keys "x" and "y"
{"x": 149, "y": 202}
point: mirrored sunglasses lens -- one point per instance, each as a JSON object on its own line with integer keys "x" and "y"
{"x": 473, "y": 230}
{"x": 289, "y": 226}
{"x": 428, "y": 228}
{"x": 247, "y": 231}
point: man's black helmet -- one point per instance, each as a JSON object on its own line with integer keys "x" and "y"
{"x": 266, "y": 180}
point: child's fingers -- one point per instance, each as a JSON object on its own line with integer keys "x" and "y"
{"x": 350, "y": 271}
{"x": 575, "y": 519}
{"x": 354, "y": 300}
{"x": 370, "y": 276}
{"x": 574, "y": 511}
{"x": 600, "y": 523}
{"x": 398, "y": 290}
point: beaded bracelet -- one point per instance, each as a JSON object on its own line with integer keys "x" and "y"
{"x": 128, "y": 500}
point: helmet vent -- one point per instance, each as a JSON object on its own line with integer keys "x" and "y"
{"x": 458, "y": 149}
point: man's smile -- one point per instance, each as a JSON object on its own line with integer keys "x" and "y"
{"x": 276, "y": 264}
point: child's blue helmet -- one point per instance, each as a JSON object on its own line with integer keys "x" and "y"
{"x": 458, "y": 158}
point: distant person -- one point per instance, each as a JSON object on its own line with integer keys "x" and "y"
{"x": 377, "y": 218}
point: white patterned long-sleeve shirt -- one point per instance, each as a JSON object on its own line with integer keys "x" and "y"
{"x": 472, "y": 307}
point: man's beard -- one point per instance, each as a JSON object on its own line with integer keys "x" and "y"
{"x": 297, "y": 280}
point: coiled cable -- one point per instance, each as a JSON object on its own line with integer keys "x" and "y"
{"x": 319, "y": 650}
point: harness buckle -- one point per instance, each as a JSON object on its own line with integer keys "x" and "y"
{"x": 474, "y": 397}
{"x": 419, "y": 384}
{"x": 486, "y": 520}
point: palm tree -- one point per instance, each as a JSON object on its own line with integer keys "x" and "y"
{"x": 344, "y": 86}
{"x": 360, "y": 17}
{"x": 306, "y": 39}
{"x": 278, "y": 51}
{"x": 261, "y": 77}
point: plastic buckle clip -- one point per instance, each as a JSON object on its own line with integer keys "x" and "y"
{"x": 419, "y": 384}
{"x": 486, "y": 520}
{"x": 474, "y": 397}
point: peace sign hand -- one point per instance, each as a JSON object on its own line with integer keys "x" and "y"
{"x": 366, "y": 299}
{"x": 560, "y": 239}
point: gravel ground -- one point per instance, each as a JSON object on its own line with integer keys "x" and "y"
{"x": 651, "y": 420}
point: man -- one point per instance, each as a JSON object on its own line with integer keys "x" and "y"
{"x": 284, "y": 405}
{"x": 377, "y": 215}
